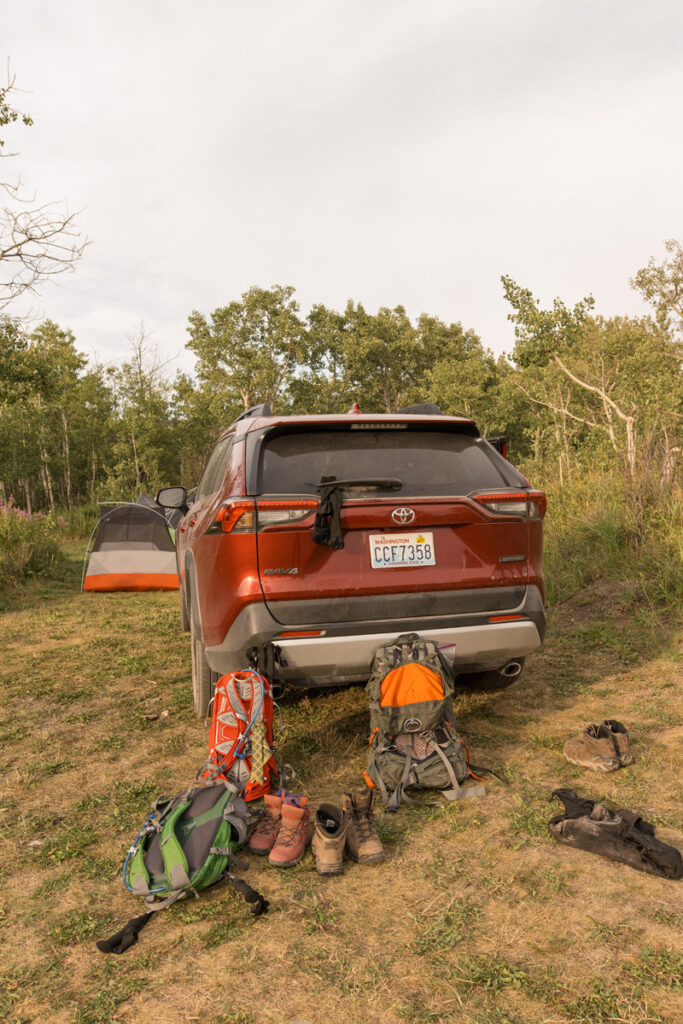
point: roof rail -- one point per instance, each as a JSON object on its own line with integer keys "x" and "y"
{"x": 255, "y": 410}
{"x": 422, "y": 409}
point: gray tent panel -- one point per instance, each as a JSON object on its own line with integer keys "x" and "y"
{"x": 133, "y": 549}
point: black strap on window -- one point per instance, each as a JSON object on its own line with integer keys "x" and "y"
{"x": 327, "y": 527}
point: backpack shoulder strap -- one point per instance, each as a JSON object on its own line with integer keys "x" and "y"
{"x": 175, "y": 861}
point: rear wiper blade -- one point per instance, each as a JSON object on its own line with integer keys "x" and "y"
{"x": 387, "y": 484}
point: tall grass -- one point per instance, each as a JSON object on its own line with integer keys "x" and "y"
{"x": 78, "y": 520}
{"x": 605, "y": 527}
{"x": 29, "y": 544}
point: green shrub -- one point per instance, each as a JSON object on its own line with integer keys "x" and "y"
{"x": 601, "y": 526}
{"x": 29, "y": 544}
{"x": 79, "y": 520}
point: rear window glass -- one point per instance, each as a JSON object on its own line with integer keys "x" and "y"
{"x": 427, "y": 462}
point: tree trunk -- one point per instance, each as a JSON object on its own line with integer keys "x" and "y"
{"x": 47, "y": 480}
{"x": 67, "y": 459}
{"x": 93, "y": 477}
{"x": 27, "y": 492}
{"x": 135, "y": 457}
{"x": 610, "y": 425}
{"x": 631, "y": 445}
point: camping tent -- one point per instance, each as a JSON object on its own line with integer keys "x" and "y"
{"x": 133, "y": 549}
{"x": 172, "y": 515}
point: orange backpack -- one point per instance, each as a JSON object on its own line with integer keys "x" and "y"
{"x": 241, "y": 734}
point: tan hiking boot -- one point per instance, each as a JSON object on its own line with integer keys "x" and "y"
{"x": 620, "y": 736}
{"x": 293, "y": 835}
{"x": 594, "y": 748}
{"x": 362, "y": 841}
{"x": 329, "y": 839}
{"x": 263, "y": 837}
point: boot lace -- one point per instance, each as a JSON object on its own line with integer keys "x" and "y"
{"x": 267, "y": 826}
{"x": 287, "y": 835}
{"x": 366, "y": 825}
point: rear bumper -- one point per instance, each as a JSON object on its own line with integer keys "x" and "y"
{"x": 345, "y": 651}
{"x": 328, "y": 660}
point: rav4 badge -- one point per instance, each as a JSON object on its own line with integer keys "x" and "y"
{"x": 280, "y": 572}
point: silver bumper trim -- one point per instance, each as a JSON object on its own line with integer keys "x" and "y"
{"x": 341, "y": 657}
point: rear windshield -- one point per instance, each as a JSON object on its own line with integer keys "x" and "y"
{"x": 427, "y": 462}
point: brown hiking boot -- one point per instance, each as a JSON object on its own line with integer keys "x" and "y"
{"x": 594, "y": 748}
{"x": 362, "y": 841}
{"x": 329, "y": 838}
{"x": 263, "y": 837}
{"x": 293, "y": 835}
{"x": 620, "y": 736}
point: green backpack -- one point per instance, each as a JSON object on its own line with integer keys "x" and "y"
{"x": 186, "y": 844}
{"x": 413, "y": 740}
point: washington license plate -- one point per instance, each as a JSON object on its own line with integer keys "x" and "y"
{"x": 407, "y": 550}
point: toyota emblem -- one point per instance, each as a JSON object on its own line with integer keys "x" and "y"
{"x": 403, "y": 516}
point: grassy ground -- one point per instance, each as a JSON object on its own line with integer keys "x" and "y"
{"x": 477, "y": 915}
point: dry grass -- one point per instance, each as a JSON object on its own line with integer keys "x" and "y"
{"x": 476, "y": 915}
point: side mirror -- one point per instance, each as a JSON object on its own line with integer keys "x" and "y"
{"x": 172, "y": 497}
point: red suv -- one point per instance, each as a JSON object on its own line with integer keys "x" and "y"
{"x": 441, "y": 535}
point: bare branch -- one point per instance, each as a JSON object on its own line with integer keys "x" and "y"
{"x": 591, "y": 387}
{"x": 561, "y": 410}
{"x": 146, "y": 363}
{"x": 35, "y": 244}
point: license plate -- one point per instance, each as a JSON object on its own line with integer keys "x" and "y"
{"x": 406, "y": 550}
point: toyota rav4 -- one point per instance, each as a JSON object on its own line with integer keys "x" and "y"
{"x": 441, "y": 535}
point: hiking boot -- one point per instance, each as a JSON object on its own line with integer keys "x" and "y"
{"x": 263, "y": 837}
{"x": 362, "y": 841}
{"x": 329, "y": 838}
{"x": 594, "y": 748}
{"x": 620, "y": 736}
{"x": 293, "y": 835}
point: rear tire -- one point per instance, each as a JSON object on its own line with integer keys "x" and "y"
{"x": 202, "y": 676}
{"x": 487, "y": 682}
{"x": 184, "y": 614}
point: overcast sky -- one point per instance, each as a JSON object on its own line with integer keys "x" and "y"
{"x": 389, "y": 151}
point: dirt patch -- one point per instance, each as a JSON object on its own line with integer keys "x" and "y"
{"x": 606, "y": 597}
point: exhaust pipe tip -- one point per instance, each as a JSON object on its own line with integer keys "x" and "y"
{"x": 512, "y": 669}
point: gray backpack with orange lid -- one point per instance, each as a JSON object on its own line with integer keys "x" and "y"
{"x": 414, "y": 743}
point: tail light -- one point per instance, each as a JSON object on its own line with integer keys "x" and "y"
{"x": 234, "y": 517}
{"x": 525, "y": 504}
{"x": 241, "y": 516}
{"x": 281, "y": 513}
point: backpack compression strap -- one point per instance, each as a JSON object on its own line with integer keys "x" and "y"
{"x": 458, "y": 792}
{"x": 258, "y": 903}
{"x": 393, "y": 802}
{"x": 126, "y": 937}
